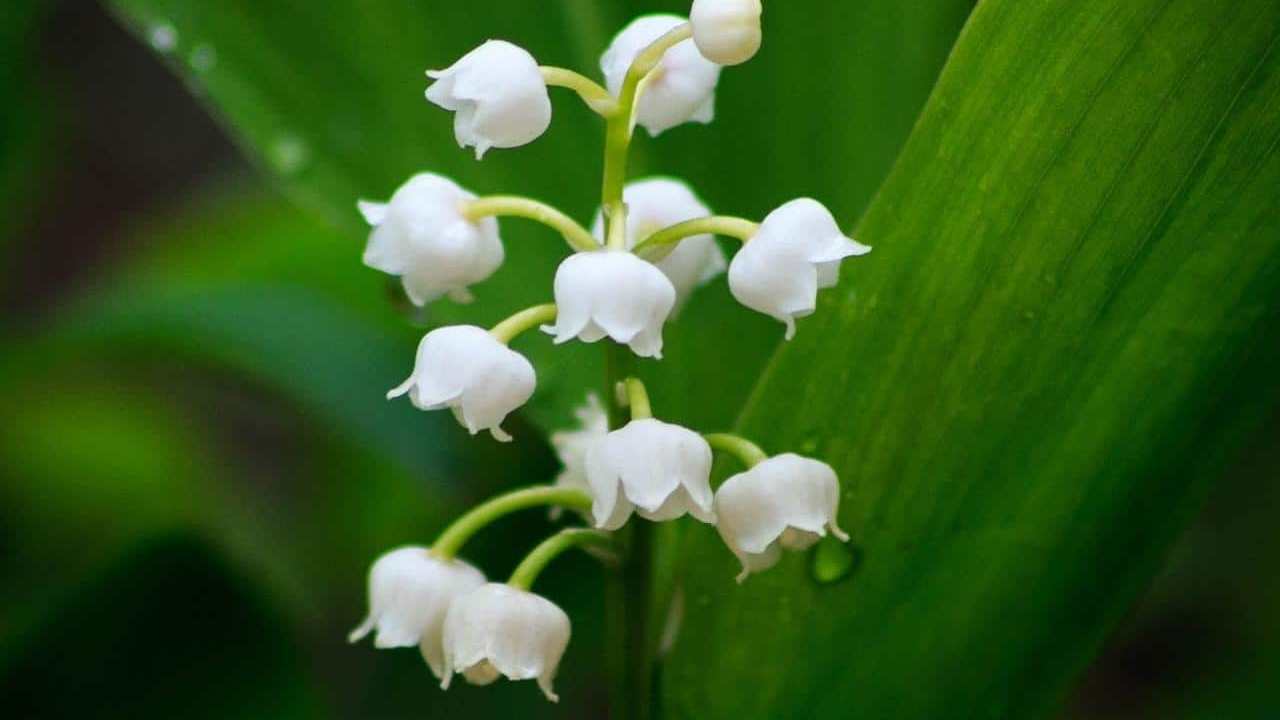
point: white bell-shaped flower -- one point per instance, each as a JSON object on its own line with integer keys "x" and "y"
{"x": 682, "y": 88}
{"x": 410, "y": 591}
{"x": 726, "y": 31}
{"x": 796, "y": 251}
{"x": 422, "y": 236}
{"x": 614, "y": 294}
{"x": 466, "y": 369}
{"x": 655, "y": 203}
{"x": 571, "y": 445}
{"x": 500, "y": 630}
{"x": 498, "y": 96}
{"x": 659, "y": 470}
{"x": 786, "y": 501}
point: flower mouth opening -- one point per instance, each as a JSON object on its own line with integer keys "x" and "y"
{"x": 482, "y": 673}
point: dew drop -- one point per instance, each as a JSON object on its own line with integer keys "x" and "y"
{"x": 289, "y": 154}
{"x": 163, "y": 37}
{"x": 203, "y": 58}
{"x": 832, "y": 561}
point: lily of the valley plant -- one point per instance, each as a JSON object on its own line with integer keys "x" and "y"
{"x": 651, "y": 246}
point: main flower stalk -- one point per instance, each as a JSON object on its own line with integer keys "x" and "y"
{"x": 619, "y": 131}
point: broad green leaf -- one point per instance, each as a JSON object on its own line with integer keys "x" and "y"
{"x": 1066, "y": 326}
{"x": 329, "y": 97}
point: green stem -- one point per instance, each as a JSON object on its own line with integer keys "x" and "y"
{"x": 732, "y": 227}
{"x": 746, "y": 451}
{"x": 619, "y": 131}
{"x": 630, "y": 590}
{"x": 528, "y": 570}
{"x": 596, "y": 97}
{"x": 638, "y": 399}
{"x": 456, "y": 535}
{"x": 525, "y": 320}
{"x": 516, "y": 206}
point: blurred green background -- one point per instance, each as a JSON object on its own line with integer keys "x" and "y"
{"x": 197, "y": 464}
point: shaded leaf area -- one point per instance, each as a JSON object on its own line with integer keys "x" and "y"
{"x": 330, "y": 98}
{"x": 1064, "y": 332}
{"x": 1204, "y": 642}
{"x": 24, "y": 125}
{"x": 170, "y": 631}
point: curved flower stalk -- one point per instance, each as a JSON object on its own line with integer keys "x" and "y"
{"x": 657, "y": 203}
{"x": 498, "y": 97}
{"x": 422, "y": 236}
{"x": 681, "y": 89}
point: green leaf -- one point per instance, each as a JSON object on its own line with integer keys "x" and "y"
{"x": 1067, "y": 325}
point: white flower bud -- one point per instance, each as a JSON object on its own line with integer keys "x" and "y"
{"x": 786, "y": 501}
{"x": 726, "y": 31}
{"x": 681, "y": 89}
{"x": 659, "y": 470}
{"x": 500, "y": 630}
{"x": 410, "y": 591}
{"x": 465, "y": 368}
{"x": 652, "y": 205}
{"x": 498, "y": 95}
{"x": 796, "y": 251}
{"x": 422, "y": 236}
{"x": 614, "y": 294}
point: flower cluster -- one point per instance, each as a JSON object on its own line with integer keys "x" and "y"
{"x": 651, "y": 245}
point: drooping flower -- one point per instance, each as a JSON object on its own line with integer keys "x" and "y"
{"x": 681, "y": 89}
{"x": 726, "y": 31}
{"x": 614, "y": 294}
{"x": 785, "y": 502}
{"x": 497, "y": 630}
{"x": 572, "y": 445}
{"x": 655, "y": 203}
{"x": 796, "y": 252}
{"x": 410, "y": 591}
{"x": 465, "y": 368}
{"x": 498, "y": 94}
{"x": 658, "y": 470}
{"x": 422, "y": 236}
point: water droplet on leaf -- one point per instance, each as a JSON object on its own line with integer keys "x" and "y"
{"x": 832, "y": 561}
{"x": 289, "y": 154}
{"x": 163, "y": 37}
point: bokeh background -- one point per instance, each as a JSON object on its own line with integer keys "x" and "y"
{"x": 196, "y": 465}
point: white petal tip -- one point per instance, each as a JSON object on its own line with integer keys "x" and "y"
{"x": 791, "y": 329}
{"x": 499, "y": 434}
{"x": 841, "y": 535}
{"x": 740, "y": 577}
{"x": 400, "y": 389}
{"x": 360, "y": 632}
